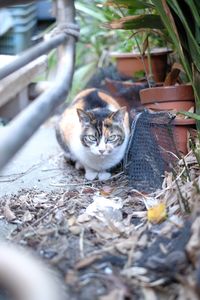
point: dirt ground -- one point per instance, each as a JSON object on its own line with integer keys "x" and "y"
{"x": 101, "y": 238}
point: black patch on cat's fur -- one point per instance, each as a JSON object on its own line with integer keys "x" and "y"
{"x": 101, "y": 113}
{"x": 92, "y": 101}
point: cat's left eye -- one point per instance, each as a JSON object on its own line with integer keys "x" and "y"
{"x": 92, "y": 138}
{"x": 112, "y": 138}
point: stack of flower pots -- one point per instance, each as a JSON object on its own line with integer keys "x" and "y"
{"x": 172, "y": 99}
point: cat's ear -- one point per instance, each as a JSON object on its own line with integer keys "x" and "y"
{"x": 84, "y": 117}
{"x": 118, "y": 116}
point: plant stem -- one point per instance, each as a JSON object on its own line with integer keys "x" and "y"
{"x": 142, "y": 58}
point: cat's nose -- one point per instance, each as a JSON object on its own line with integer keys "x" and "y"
{"x": 101, "y": 151}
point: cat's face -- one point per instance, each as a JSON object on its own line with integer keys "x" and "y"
{"x": 102, "y": 130}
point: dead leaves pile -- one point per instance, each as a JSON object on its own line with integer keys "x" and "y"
{"x": 111, "y": 242}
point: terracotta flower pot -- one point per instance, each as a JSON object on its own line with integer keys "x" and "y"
{"x": 131, "y": 63}
{"x": 172, "y": 99}
{"x": 126, "y": 92}
{"x": 182, "y": 129}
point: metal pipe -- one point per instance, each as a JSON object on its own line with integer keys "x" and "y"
{"x": 4, "y": 3}
{"x": 17, "y": 132}
{"x": 33, "y": 53}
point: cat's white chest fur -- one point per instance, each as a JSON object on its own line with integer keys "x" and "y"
{"x": 96, "y": 165}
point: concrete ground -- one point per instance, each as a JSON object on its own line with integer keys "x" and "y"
{"x": 38, "y": 165}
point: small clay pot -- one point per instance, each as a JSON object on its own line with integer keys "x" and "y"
{"x": 172, "y": 99}
{"x": 126, "y": 92}
{"x": 130, "y": 64}
{"x": 182, "y": 128}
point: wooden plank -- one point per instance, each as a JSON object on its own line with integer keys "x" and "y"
{"x": 14, "y": 83}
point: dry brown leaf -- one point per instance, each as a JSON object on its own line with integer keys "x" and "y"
{"x": 117, "y": 294}
{"x": 75, "y": 229}
{"x": 193, "y": 246}
{"x": 59, "y": 215}
{"x": 104, "y": 231}
{"x": 125, "y": 245}
{"x": 106, "y": 190}
{"x": 83, "y": 218}
{"x": 71, "y": 277}
{"x": 71, "y": 221}
{"x": 149, "y": 293}
{"x": 145, "y": 45}
{"x": 8, "y": 213}
{"x": 157, "y": 213}
{"x": 23, "y": 199}
{"x": 172, "y": 76}
{"x": 186, "y": 292}
{"x": 134, "y": 272}
{"x": 40, "y": 198}
{"x": 86, "y": 261}
{"x": 88, "y": 190}
{"x": 27, "y": 216}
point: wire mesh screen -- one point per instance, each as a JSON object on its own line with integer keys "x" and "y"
{"x": 151, "y": 150}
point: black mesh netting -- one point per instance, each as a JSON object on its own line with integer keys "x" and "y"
{"x": 151, "y": 150}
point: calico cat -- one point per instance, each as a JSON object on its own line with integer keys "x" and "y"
{"x": 94, "y": 131}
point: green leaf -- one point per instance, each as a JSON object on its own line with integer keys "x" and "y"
{"x": 150, "y": 21}
{"x": 190, "y": 38}
{"x": 193, "y": 47}
{"x": 136, "y": 4}
{"x": 190, "y": 115}
{"x": 90, "y": 11}
{"x": 80, "y": 79}
{"x": 168, "y": 20}
{"x": 194, "y": 9}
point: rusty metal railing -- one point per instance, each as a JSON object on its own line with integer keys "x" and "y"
{"x": 21, "y": 128}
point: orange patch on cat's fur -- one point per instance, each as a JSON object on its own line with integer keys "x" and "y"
{"x": 108, "y": 99}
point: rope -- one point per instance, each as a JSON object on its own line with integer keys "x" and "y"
{"x": 68, "y": 29}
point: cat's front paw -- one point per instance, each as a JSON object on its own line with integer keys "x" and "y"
{"x": 78, "y": 165}
{"x": 68, "y": 156}
{"x": 104, "y": 175}
{"x": 90, "y": 174}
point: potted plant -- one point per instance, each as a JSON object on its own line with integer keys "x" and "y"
{"x": 182, "y": 22}
{"x": 134, "y": 64}
{"x": 172, "y": 99}
{"x": 142, "y": 61}
{"x": 148, "y": 54}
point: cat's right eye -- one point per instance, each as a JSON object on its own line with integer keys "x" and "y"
{"x": 112, "y": 138}
{"x": 91, "y": 138}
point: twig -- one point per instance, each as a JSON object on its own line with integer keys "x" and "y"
{"x": 85, "y": 182}
{"x": 172, "y": 184}
{"x": 186, "y": 168}
{"x": 139, "y": 193}
{"x": 142, "y": 59}
{"x": 183, "y": 201}
{"x": 81, "y": 243}
{"x": 53, "y": 169}
{"x": 45, "y": 215}
{"x": 19, "y": 175}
